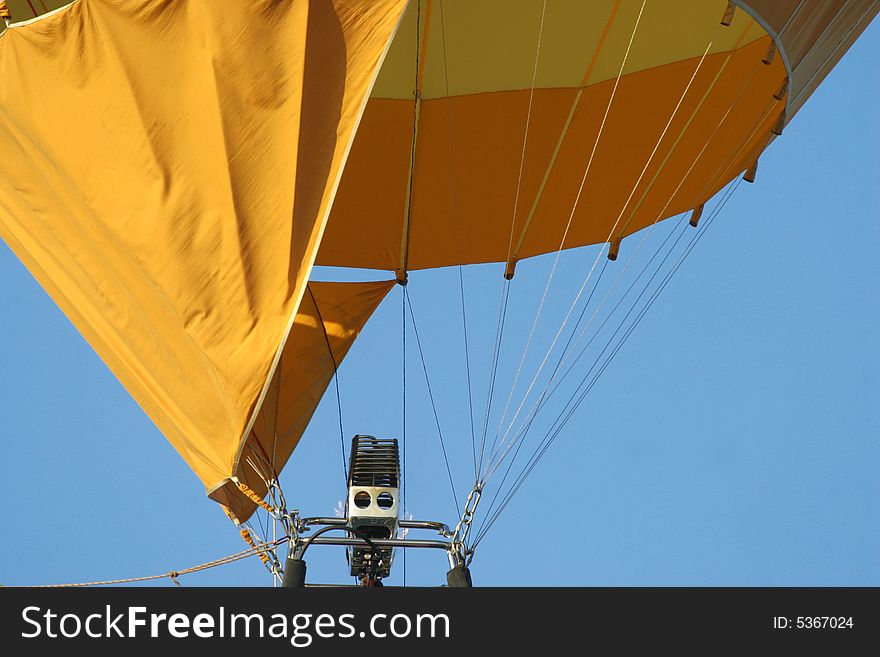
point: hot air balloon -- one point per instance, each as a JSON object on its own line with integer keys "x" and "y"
{"x": 173, "y": 172}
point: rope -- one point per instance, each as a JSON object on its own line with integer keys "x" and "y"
{"x": 174, "y": 574}
{"x": 246, "y": 535}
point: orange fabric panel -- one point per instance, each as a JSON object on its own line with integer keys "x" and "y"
{"x": 330, "y": 318}
{"x": 710, "y": 142}
{"x": 371, "y": 200}
{"x": 468, "y": 157}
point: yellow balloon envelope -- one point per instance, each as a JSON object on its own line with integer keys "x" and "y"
{"x": 172, "y": 169}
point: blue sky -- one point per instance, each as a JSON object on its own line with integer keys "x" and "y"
{"x": 734, "y": 440}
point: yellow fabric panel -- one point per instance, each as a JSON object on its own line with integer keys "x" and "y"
{"x": 328, "y": 321}
{"x": 490, "y": 45}
{"x": 468, "y": 156}
{"x": 150, "y": 181}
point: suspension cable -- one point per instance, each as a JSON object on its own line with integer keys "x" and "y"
{"x": 496, "y": 456}
{"x": 335, "y": 380}
{"x": 522, "y": 432}
{"x": 565, "y": 352}
{"x": 582, "y": 394}
{"x": 453, "y": 171}
{"x": 616, "y": 223}
{"x": 512, "y": 460}
{"x": 711, "y": 85}
{"x": 403, "y": 429}
{"x": 565, "y": 235}
{"x": 726, "y": 196}
{"x": 528, "y": 424}
{"x": 553, "y": 384}
{"x": 494, "y": 459}
{"x": 505, "y": 288}
{"x": 660, "y": 215}
{"x": 431, "y": 397}
{"x": 522, "y": 157}
{"x": 499, "y": 331}
{"x": 729, "y": 192}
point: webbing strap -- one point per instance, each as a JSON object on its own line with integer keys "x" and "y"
{"x": 246, "y": 535}
{"x": 256, "y": 499}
